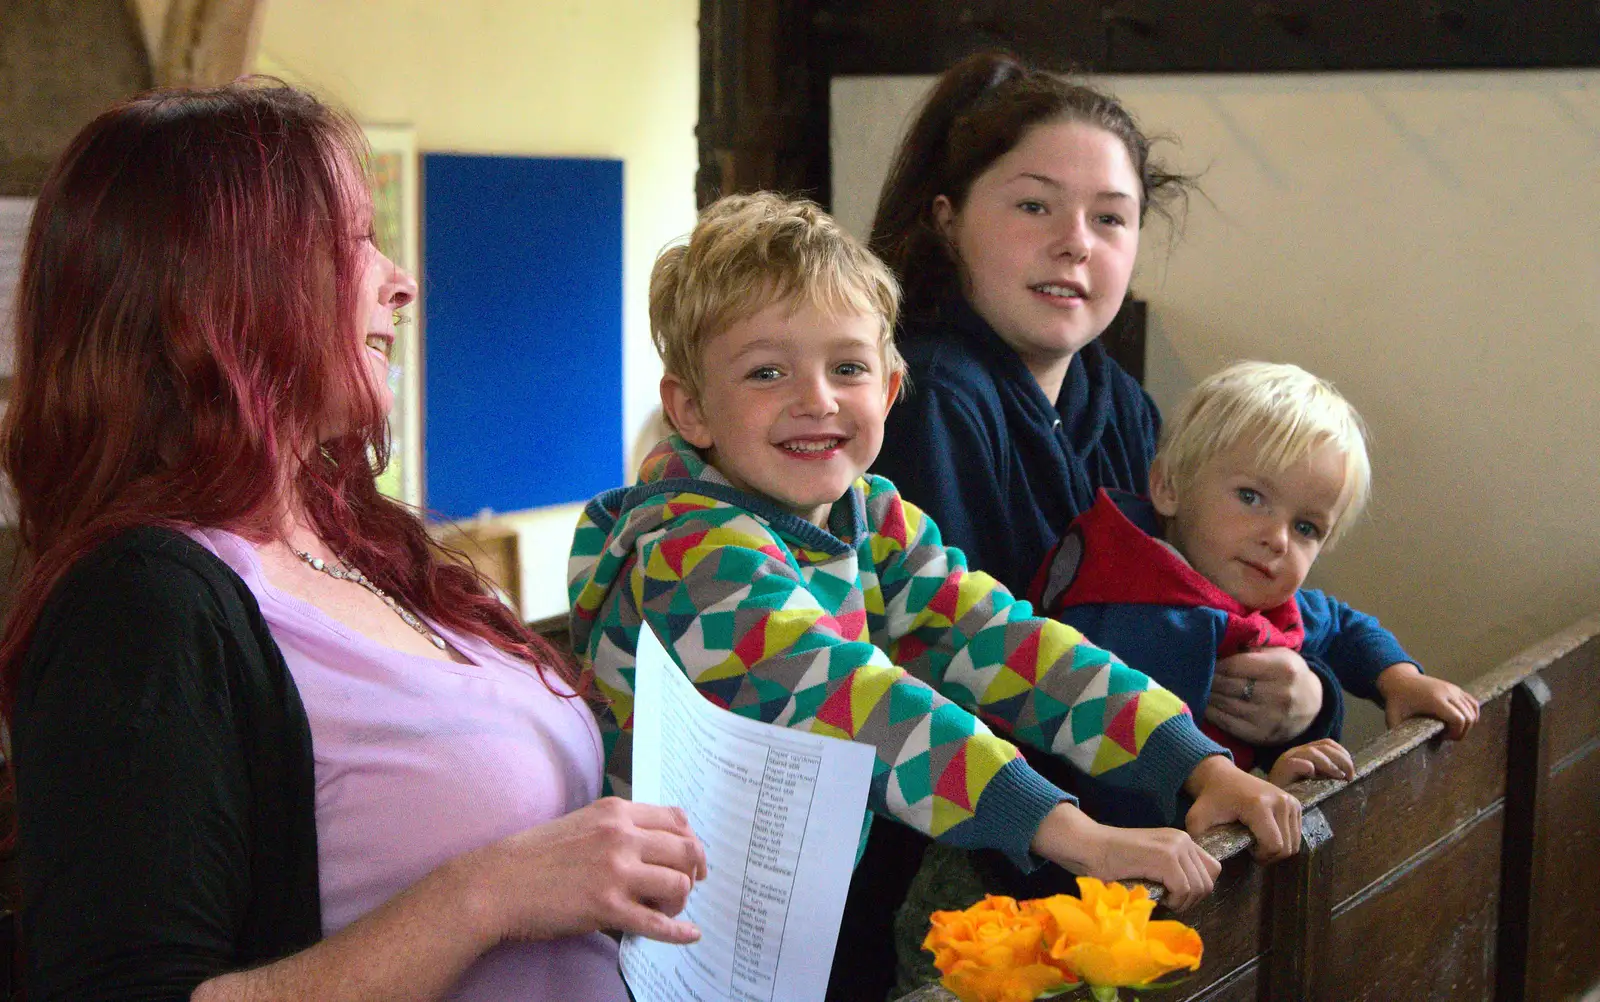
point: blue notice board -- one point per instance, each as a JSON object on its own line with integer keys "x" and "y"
{"x": 522, "y": 284}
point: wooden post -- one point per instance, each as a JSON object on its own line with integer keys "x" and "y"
{"x": 1523, "y": 848}
{"x": 206, "y": 43}
{"x": 1298, "y": 907}
{"x": 763, "y": 105}
{"x": 61, "y": 63}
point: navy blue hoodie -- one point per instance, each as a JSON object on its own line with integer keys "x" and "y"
{"x": 1000, "y": 467}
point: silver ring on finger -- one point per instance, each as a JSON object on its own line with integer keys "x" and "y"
{"x": 1249, "y": 690}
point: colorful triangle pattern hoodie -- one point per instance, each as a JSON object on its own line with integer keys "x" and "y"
{"x": 869, "y": 630}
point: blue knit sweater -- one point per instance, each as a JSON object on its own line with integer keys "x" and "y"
{"x": 999, "y": 466}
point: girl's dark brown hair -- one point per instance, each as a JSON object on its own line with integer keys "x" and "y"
{"x": 979, "y": 111}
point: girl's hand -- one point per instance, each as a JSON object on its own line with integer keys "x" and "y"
{"x": 1078, "y": 843}
{"x": 1408, "y": 693}
{"x": 1323, "y": 757}
{"x": 1223, "y": 792}
{"x": 1285, "y": 695}
{"x": 611, "y": 865}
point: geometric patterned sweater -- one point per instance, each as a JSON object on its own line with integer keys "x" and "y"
{"x": 872, "y": 631}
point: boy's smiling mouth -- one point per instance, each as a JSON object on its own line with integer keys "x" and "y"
{"x": 812, "y": 448}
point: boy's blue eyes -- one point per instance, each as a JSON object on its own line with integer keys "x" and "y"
{"x": 1310, "y": 530}
{"x": 1248, "y": 496}
{"x": 767, "y": 373}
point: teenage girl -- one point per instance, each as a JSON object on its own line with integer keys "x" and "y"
{"x": 1012, "y": 215}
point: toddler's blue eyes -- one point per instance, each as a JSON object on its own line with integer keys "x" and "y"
{"x": 766, "y": 373}
{"x": 1247, "y": 495}
{"x": 1308, "y": 529}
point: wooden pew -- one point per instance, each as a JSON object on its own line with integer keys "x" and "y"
{"x": 1449, "y": 871}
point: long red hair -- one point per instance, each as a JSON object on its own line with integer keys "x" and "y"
{"x": 186, "y": 319}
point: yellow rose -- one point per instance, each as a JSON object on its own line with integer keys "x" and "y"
{"x": 993, "y": 952}
{"x": 1107, "y": 939}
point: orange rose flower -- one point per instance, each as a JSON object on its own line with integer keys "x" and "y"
{"x": 993, "y": 952}
{"x": 1107, "y": 939}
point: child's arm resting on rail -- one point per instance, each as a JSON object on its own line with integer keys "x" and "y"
{"x": 1047, "y": 685}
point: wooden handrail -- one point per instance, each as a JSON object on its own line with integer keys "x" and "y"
{"x": 1229, "y": 840}
{"x": 1442, "y": 870}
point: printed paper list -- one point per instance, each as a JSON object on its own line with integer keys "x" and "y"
{"x": 779, "y": 863}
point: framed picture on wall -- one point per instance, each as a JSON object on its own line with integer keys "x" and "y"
{"x": 395, "y": 220}
{"x": 14, "y": 216}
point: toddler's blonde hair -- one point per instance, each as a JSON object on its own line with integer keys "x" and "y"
{"x": 1284, "y": 412}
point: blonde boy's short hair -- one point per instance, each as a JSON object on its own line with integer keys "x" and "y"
{"x": 1285, "y": 411}
{"x": 750, "y": 251}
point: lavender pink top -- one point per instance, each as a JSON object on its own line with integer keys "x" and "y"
{"x": 419, "y": 761}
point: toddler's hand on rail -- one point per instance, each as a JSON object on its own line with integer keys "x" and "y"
{"x": 1324, "y": 757}
{"x": 1075, "y": 841}
{"x": 1408, "y": 693}
{"x": 1223, "y": 792}
{"x": 613, "y": 864}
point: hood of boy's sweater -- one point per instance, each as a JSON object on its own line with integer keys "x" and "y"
{"x": 675, "y": 483}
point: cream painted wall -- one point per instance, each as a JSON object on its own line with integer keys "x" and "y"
{"x": 1431, "y": 243}
{"x": 608, "y": 78}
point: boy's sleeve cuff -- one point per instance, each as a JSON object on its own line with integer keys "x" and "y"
{"x": 1008, "y": 814}
{"x": 1015, "y": 802}
{"x": 1172, "y": 751}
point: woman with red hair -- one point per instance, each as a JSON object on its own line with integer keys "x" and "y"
{"x": 268, "y": 741}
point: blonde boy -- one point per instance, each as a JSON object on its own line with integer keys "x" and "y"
{"x": 793, "y": 588}
{"x": 1265, "y": 466}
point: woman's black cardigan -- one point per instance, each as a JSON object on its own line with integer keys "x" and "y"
{"x": 165, "y": 785}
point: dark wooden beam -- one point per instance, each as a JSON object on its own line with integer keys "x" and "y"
{"x": 1220, "y": 36}
{"x": 763, "y": 101}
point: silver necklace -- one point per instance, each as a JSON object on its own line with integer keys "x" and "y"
{"x": 351, "y": 574}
